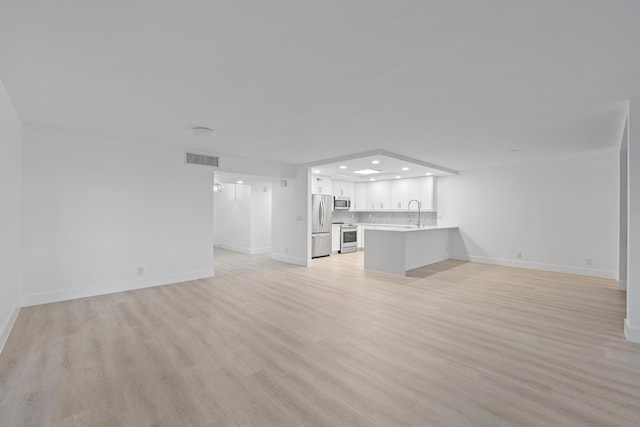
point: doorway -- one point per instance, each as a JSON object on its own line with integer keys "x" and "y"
{"x": 242, "y": 210}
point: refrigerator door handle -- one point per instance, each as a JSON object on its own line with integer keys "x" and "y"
{"x": 324, "y": 215}
{"x": 321, "y": 214}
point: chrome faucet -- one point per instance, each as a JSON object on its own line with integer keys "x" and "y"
{"x": 409, "y": 209}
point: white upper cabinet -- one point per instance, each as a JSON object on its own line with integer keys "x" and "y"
{"x": 400, "y": 194}
{"x": 343, "y": 189}
{"x": 422, "y": 189}
{"x": 394, "y": 194}
{"x": 359, "y": 199}
{"x": 321, "y": 185}
{"x": 379, "y": 195}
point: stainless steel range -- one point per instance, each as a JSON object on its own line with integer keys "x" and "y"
{"x": 348, "y": 238}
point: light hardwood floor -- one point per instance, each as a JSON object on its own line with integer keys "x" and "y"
{"x": 268, "y": 344}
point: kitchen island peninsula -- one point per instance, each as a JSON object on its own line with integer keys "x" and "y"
{"x": 400, "y": 249}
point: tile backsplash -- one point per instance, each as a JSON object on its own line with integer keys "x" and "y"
{"x": 427, "y": 218}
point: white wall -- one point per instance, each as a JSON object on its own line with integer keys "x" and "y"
{"x": 242, "y": 218}
{"x": 96, "y": 209}
{"x": 260, "y": 218}
{"x": 632, "y": 322}
{"x": 10, "y": 214}
{"x": 254, "y": 166}
{"x": 623, "y": 211}
{"x": 232, "y": 217}
{"x": 291, "y": 229}
{"x": 557, "y": 214}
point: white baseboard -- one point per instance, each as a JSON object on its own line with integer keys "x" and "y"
{"x": 593, "y": 272}
{"x": 622, "y": 285}
{"x": 291, "y": 260}
{"x": 111, "y": 288}
{"x": 632, "y": 334}
{"x": 255, "y": 251}
{"x": 7, "y": 326}
{"x": 243, "y": 249}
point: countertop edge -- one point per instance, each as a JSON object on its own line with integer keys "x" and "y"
{"x": 407, "y": 230}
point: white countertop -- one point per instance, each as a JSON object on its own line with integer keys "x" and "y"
{"x": 405, "y": 228}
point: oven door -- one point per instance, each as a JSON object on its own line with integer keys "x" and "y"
{"x": 348, "y": 239}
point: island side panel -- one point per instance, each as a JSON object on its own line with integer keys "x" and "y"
{"x": 385, "y": 251}
{"x": 426, "y": 247}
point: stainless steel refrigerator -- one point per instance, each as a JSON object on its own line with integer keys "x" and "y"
{"x": 321, "y": 211}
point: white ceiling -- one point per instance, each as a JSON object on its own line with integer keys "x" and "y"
{"x": 389, "y": 167}
{"x": 233, "y": 178}
{"x": 455, "y": 83}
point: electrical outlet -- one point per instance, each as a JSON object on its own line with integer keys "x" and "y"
{"x": 518, "y": 254}
{"x": 140, "y": 271}
{"x": 589, "y": 261}
{"x": 286, "y": 250}
{"x": 369, "y": 215}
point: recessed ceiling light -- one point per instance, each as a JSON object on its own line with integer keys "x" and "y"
{"x": 240, "y": 182}
{"x": 372, "y": 179}
{"x": 398, "y": 176}
{"x": 316, "y": 171}
{"x": 405, "y": 168}
{"x": 428, "y": 173}
{"x": 202, "y": 131}
{"x": 367, "y": 171}
{"x": 375, "y": 162}
{"x": 343, "y": 167}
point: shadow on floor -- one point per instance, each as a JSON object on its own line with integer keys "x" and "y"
{"x": 439, "y": 267}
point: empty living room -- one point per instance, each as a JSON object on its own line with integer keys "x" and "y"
{"x": 330, "y": 213}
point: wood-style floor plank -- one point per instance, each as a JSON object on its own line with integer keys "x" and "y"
{"x": 270, "y": 344}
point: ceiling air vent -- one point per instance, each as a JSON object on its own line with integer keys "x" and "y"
{"x": 201, "y": 159}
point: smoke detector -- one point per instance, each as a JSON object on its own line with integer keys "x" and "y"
{"x": 203, "y": 132}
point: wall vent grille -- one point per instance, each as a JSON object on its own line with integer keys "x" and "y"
{"x": 201, "y": 159}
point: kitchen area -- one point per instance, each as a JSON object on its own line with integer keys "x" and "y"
{"x": 390, "y": 202}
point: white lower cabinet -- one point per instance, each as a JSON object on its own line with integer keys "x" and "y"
{"x": 361, "y": 236}
{"x": 335, "y": 238}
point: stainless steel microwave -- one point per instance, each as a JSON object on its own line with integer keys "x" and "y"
{"x": 341, "y": 202}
